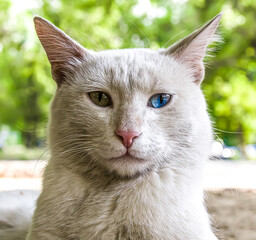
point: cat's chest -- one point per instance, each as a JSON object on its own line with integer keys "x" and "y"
{"x": 145, "y": 208}
{"x": 151, "y": 208}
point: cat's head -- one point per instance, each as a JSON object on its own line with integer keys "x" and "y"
{"x": 128, "y": 111}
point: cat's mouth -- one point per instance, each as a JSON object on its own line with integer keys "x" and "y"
{"x": 127, "y": 157}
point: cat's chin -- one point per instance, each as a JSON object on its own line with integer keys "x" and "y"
{"x": 127, "y": 158}
{"x": 128, "y": 166}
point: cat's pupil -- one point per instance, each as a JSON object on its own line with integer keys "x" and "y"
{"x": 161, "y": 98}
{"x": 100, "y": 96}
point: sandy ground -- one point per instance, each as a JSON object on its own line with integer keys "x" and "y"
{"x": 230, "y": 192}
{"x": 234, "y": 213}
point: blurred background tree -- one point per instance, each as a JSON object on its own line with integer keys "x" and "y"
{"x": 25, "y": 81}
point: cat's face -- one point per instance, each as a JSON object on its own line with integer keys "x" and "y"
{"x": 127, "y": 134}
{"x": 131, "y": 78}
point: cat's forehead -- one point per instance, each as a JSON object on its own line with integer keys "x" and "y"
{"x": 127, "y": 60}
{"x": 128, "y": 54}
{"x": 130, "y": 69}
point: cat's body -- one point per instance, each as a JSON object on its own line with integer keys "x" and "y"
{"x": 155, "y": 207}
{"x": 125, "y": 170}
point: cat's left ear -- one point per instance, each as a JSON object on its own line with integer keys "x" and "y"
{"x": 63, "y": 52}
{"x": 191, "y": 50}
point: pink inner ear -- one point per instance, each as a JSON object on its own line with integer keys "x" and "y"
{"x": 63, "y": 52}
{"x": 198, "y": 73}
{"x": 193, "y": 54}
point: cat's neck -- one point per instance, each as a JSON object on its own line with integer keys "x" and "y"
{"x": 175, "y": 180}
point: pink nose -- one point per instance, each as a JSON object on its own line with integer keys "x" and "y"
{"x": 127, "y": 137}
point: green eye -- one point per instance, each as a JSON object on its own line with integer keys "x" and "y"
{"x": 100, "y": 99}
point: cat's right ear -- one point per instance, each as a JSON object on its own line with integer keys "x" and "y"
{"x": 192, "y": 49}
{"x": 63, "y": 52}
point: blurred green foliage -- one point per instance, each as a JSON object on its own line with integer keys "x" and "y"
{"x": 26, "y": 86}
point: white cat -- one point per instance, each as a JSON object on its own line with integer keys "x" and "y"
{"x": 129, "y": 136}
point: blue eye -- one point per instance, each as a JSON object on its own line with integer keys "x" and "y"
{"x": 159, "y": 100}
